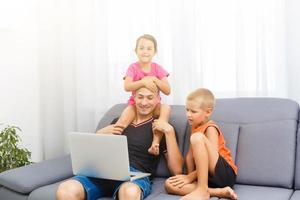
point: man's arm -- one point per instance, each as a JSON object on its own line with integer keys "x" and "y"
{"x": 173, "y": 155}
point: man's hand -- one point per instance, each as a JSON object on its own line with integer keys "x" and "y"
{"x": 148, "y": 82}
{"x": 111, "y": 129}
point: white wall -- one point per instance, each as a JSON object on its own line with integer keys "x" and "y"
{"x": 293, "y": 48}
{"x": 19, "y": 79}
{"x": 25, "y": 41}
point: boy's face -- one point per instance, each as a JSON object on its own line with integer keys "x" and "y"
{"x": 145, "y": 101}
{"x": 195, "y": 114}
{"x": 145, "y": 50}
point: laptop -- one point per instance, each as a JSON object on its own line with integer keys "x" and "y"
{"x": 102, "y": 156}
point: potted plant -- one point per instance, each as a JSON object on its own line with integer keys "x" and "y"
{"x": 11, "y": 155}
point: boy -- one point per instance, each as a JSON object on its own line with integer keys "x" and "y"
{"x": 210, "y": 168}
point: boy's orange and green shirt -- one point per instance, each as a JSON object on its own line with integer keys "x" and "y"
{"x": 223, "y": 150}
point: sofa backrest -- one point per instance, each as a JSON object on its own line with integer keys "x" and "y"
{"x": 265, "y": 153}
{"x": 177, "y": 119}
{"x": 260, "y": 132}
{"x": 297, "y": 169}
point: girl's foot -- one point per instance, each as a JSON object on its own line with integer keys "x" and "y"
{"x": 154, "y": 149}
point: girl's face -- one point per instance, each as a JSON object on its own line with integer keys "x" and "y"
{"x": 145, "y": 50}
{"x": 196, "y": 115}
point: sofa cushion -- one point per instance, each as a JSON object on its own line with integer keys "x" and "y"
{"x": 266, "y": 153}
{"x": 157, "y": 188}
{"x": 248, "y": 192}
{"x": 47, "y": 192}
{"x": 252, "y": 110}
{"x": 165, "y": 196}
{"x": 296, "y": 195}
{"x": 6, "y": 194}
{"x": 297, "y": 169}
{"x": 26, "y": 179}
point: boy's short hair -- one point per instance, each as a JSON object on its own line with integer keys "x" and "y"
{"x": 148, "y": 37}
{"x": 204, "y": 97}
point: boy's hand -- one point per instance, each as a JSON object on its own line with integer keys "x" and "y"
{"x": 180, "y": 180}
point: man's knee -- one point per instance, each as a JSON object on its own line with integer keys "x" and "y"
{"x": 129, "y": 191}
{"x": 71, "y": 190}
{"x": 197, "y": 138}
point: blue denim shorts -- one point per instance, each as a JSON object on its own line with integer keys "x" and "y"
{"x": 96, "y": 188}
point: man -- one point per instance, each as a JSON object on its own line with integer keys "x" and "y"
{"x": 139, "y": 136}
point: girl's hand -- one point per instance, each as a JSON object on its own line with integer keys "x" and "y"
{"x": 162, "y": 126}
{"x": 149, "y": 83}
{"x": 180, "y": 180}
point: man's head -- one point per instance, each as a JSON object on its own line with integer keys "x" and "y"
{"x": 145, "y": 101}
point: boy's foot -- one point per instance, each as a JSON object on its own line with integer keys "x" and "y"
{"x": 154, "y": 149}
{"x": 197, "y": 194}
{"x": 225, "y": 192}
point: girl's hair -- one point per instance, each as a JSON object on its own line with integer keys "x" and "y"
{"x": 204, "y": 97}
{"x": 147, "y": 37}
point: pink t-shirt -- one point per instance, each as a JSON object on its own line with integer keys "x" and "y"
{"x": 137, "y": 74}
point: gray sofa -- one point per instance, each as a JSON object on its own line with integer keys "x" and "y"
{"x": 261, "y": 133}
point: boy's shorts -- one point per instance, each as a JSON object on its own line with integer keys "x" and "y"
{"x": 96, "y": 188}
{"x": 224, "y": 175}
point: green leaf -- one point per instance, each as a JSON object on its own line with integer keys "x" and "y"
{"x": 11, "y": 155}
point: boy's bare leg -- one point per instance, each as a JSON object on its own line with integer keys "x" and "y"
{"x": 126, "y": 117}
{"x": 225, "y": 192}
{"x": 163, "y": 111}
{"x": 205, "y": 156}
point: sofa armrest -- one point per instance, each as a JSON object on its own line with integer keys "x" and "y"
{"x": 28, "y": 178}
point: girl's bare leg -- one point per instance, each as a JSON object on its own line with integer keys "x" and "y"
{"x": 126, "y": 117}
{"x": 163, "y": 111}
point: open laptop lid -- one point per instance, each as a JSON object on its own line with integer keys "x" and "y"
{"x": 100, "y": 155}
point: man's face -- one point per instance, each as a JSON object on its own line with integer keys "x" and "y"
{"x": 145, "y": 101}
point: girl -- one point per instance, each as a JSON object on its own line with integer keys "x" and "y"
{"x": 146, "y": 73}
